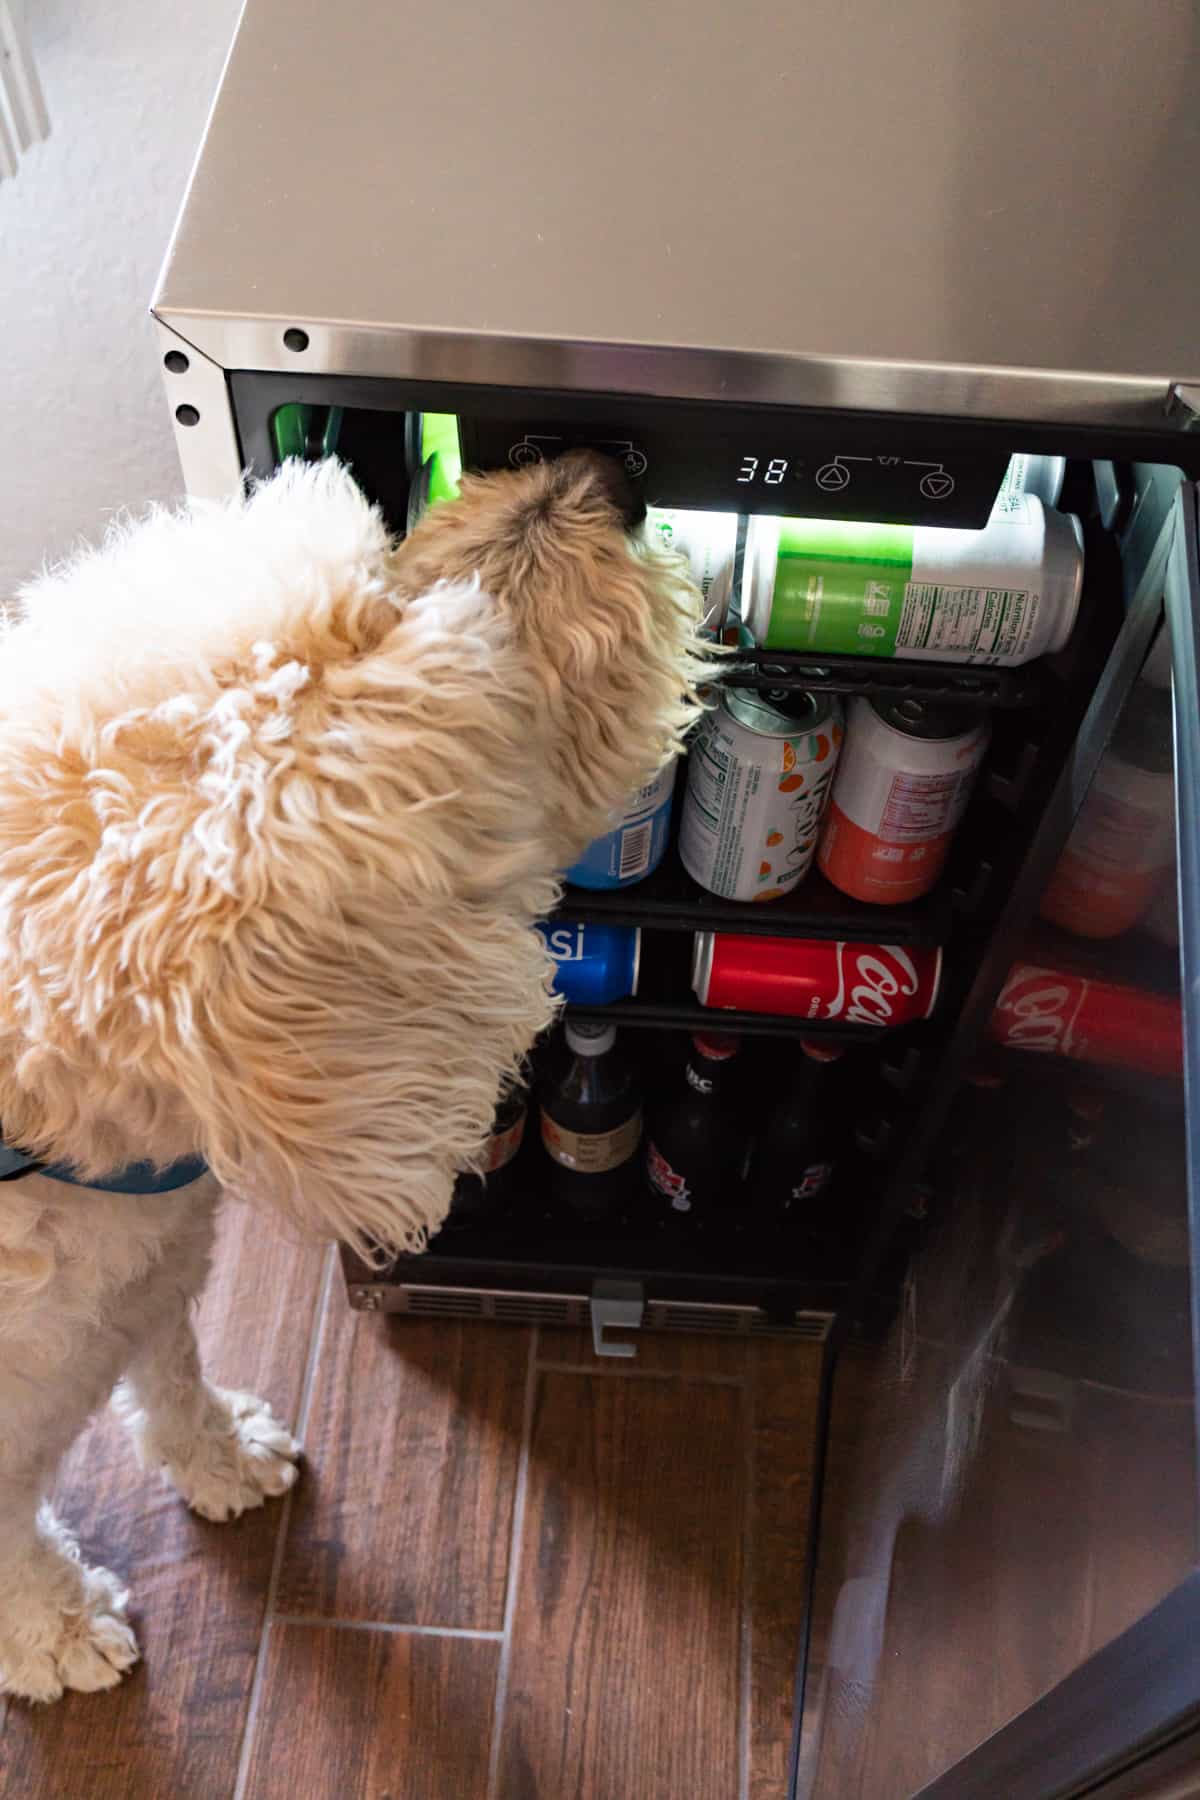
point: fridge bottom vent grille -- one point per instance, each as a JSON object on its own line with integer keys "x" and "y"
{"x": 411, "y": 1300}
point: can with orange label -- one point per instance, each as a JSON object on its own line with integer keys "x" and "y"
{"x": 759, "y": 774}
{"x": 902, "y": 787}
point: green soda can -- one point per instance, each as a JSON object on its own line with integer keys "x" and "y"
{"x": 1000, "y": 596}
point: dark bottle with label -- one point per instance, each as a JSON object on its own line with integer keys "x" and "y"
{"x": 805, "y": 1134}
{"x": 591, "y": 1116}
{"x": 478, "y": 1199}
{"x": 696, "y": 1144}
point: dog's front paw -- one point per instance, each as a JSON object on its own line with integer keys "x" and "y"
{"x": 240, "y": 1457}
{"x": 62, "y": 1624}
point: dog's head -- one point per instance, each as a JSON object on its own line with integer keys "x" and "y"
{"x": 605, "y": 623}
{"x": 278, "y": 800}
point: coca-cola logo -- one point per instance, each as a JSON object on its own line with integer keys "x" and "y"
{"x": 871, "y": 979}
{"x": 664, "y": 1178}
{"x": 1036, "y": 1009}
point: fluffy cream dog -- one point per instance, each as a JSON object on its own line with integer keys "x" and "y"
{"x": 279, "y": 802}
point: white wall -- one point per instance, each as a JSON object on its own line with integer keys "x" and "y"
{"x": 83, "y": 227}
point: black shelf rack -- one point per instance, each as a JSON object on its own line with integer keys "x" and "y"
{"x": 668, "y": 1015}
{"x": 669, "y": 900}
{"x": 957, "y": 684}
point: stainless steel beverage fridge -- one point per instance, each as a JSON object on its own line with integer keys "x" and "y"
{"x": 861, "y": 285}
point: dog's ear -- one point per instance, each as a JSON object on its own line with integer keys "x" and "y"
{"x": 342, "y": 1066}
{"x": 605, "y": 626}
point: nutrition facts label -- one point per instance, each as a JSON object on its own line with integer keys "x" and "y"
{"x": 989, "y": 624}
{"x": 720, "y": 791}
{"x": 920, "y": 807}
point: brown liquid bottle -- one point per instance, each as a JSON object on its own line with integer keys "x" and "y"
{"x": 478, "y": 1199}
{"x": 591, "y": 1119}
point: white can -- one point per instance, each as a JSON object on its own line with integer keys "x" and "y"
{"x": 905, "y": 777}
{"x": 1041, "y": 476}
{"x": 708, "y": 540}
{"x": 1002, "y": 595}
{"x": 759, "y": 774}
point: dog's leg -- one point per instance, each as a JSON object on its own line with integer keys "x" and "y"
{"x": 224, "y": 1451}
{"x": 82, "y": 1281}
{"x": 62, "y": 1624}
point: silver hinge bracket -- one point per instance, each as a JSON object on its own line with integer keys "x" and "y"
{"x": 1183, "y": 404}
{"x": 616, "y": 1306}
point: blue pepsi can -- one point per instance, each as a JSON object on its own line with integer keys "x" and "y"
{"x": 637, "y": 842}
{"x": 596, "y": 964}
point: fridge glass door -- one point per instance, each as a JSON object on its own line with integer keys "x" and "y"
{"x": 1012, "y": 1473}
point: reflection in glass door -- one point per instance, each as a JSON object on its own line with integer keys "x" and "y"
{"x": 1012, "y": 1472}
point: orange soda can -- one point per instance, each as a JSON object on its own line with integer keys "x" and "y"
{"x": 902, "y": 786}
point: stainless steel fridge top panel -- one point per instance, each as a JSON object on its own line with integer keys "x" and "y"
{"x": 951, "y": 206}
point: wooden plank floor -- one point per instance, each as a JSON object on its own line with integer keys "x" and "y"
{"x": 510, "y": 1571}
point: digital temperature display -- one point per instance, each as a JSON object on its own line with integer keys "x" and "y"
{"x": 770, "y": 470}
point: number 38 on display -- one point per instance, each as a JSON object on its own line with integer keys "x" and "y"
{"x": 772, "y": 475}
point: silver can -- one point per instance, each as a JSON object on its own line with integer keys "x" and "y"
{"x": 759, "y": 774}
{"x": 1042, "y": 476}
{"x": 708, "y": 541}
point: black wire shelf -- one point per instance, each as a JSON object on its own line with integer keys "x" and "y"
{"x": 950, "y": 683}
{"x": 683, "y": 1015}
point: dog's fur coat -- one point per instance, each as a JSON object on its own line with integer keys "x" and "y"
{"x": 279, "y": 802}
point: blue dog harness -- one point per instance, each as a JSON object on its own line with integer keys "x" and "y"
{"x": 135, "y": 1178}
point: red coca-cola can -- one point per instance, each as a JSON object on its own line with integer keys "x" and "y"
{"x": 1061, "y": 1013}
{"x": 860, "y": 984}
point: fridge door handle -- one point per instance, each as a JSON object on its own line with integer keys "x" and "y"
{"x": 616, "y": 1306}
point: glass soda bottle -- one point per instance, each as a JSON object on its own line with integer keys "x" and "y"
{"x": 803, "y": 1138}
{"x": 591, "y": 1118}
{"x": 478, "y": 1199}
{"x": 696, "y": 1143}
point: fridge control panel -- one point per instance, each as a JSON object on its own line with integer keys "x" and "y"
{"x": 758, "y": 464}
{"x": 811, "y": 463}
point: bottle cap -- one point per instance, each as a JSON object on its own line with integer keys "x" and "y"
{"x": 718, "y": 1046}
{"x": 589, "y": 1037}
{"x": 822, "y": 1053}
